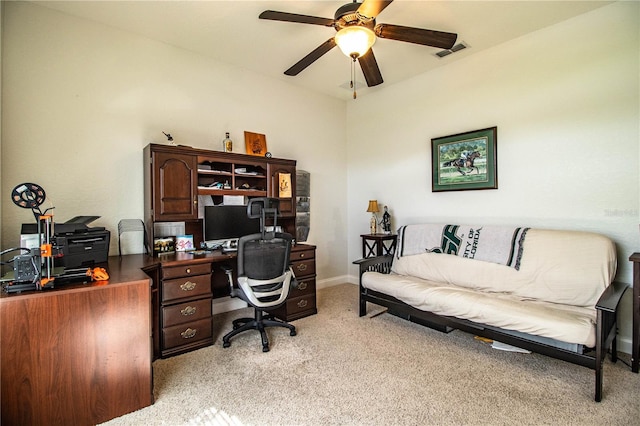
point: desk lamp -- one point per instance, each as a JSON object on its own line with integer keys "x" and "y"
{"x": 373, "y": 209}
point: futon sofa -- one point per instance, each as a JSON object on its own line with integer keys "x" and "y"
{"x": 546, "y": 291}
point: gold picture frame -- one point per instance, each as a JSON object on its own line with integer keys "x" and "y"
{"x": 255, "y": 143}
{"x": 284, "y": 185}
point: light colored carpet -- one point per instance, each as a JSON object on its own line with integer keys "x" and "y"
{"x": 345, "y": 370}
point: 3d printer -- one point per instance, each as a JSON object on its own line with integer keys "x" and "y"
{"x": 58, "y": 251}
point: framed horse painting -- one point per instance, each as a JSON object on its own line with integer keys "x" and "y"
{"x": 465, "y": 161}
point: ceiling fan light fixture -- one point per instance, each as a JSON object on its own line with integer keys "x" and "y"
{"x": 355, "y": 41}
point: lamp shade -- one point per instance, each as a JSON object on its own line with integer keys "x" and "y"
{"x": 355, "y": 41}
{"x": 373, "y": 206}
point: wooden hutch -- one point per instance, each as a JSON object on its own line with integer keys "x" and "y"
{"x": 176, "y": 178}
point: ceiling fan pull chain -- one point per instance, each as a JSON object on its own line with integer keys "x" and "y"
{"x": 353, "y": 77}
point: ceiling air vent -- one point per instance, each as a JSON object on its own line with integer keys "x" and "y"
{"x": 446, "y": 52}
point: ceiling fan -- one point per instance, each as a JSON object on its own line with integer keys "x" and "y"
{"x": 357, "y": 21}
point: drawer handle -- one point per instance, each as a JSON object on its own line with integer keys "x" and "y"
{"x": 302, "y": 286}
{"x": 301, "y": 304}
{"x": 302, "y": 267}
{"x": 188, "y": 270}
{"x": 301, "y": 255}
{"x": 188, "y": 286}
{"x": 189, "y": 333}
{"x": 189, "y": 310}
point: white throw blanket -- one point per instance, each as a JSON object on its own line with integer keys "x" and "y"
{"x": 496, "y": 244}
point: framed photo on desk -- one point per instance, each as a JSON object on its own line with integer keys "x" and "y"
{"x": 164, "y": 245}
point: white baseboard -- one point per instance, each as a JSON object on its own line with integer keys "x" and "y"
{"x": 624, "y": 345}
{"x": 330, "y": 282}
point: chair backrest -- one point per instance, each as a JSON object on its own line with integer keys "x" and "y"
{"x": 264, "y": 275}
{"x": 264, "y": 259}
{"x": 264, "y": 208}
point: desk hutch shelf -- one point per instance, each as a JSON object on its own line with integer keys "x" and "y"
{"x": 175, "y": 177}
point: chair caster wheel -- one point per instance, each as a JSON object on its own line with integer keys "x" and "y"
{"x": 292, "y": 333}
{"x": 265, "y": 349}
{"x": 226, "y": 344}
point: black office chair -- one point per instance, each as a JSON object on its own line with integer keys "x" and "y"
{"x": 264, "y": 275}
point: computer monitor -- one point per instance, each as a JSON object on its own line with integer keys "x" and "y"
{"x": 223, "y": 224}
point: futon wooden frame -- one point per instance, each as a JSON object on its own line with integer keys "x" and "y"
{"x": 593, "y": 358}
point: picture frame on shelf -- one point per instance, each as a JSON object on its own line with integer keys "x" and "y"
{"x": 255, "y": 143}
{"x": 284, "y": 185}
{"x": 465, "y": 161}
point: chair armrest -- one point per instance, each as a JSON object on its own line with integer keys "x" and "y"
{"x": 610, "y": 298}
{"x": 380, "y": 264}
{"x": 374, "y": 260}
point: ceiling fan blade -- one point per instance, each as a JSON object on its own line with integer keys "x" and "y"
{"x": 311, "y": 57}
{"x": 370, "y": 69}
{"x": 416, "y": 35}
{"x": 371, "y": 8}
{"x": 294, "y": 17}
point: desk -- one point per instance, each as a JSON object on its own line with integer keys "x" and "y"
{"x": 635, "y": 337}
{"x": 79, "y": 354}
{"x": 185, "y": 284}
{"x": 378, "y": 244}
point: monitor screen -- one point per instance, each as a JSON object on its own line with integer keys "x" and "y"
{"x": 223, "y": 223}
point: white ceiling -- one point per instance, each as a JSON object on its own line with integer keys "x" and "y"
{"x": 230, "y": 31}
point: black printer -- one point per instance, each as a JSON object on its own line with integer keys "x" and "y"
{"x": 76, "y": 244}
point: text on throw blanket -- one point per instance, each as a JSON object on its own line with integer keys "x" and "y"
{"x": 497, "y": 244}
{"x": 451, "y": 242}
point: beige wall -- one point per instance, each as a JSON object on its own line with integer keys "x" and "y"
{"x": 566, "y": 103}
{"x": 81, "y": 100}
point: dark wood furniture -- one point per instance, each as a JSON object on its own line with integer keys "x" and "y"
{"x": 176, "y": 176}
{"x": 635, "y": 338}
{"x": 77, "y": 354}
{"x": 302, "y": 300}
{"x": 183, "y": 289}
{"x": 184, "y": 286}
{"x": 185, "y": 304}
{"x": 378, "y": 244}
{"x": 172, "y": 184}
{"x": 606, "y": 325}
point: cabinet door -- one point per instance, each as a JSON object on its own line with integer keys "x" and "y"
{"x": 174, "y": 181}
{"x": 282, "y": 185}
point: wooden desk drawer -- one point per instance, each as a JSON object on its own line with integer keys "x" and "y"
{"x": 186, "y": 334}
{"x": 305, "y": 287}
{"x": 302, "y": 255}
{"x": 186, "y": 312}
{"x": 297, "y": 305}
{"x": 180, "y": 288}
{"x": 302, "y": 268}
{"x": 186, "y": 270}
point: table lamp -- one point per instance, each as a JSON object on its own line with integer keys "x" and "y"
{"x": 373, "y": 209}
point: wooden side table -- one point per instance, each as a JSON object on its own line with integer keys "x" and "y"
{"x": 635, "y": 345}
{"x": 378, "y": 244}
